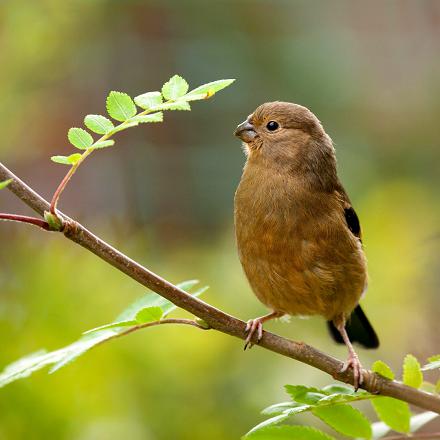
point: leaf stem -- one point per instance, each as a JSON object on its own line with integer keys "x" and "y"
{"x": 57, "y": 194}
{"x": 155, "y": 323}
{"x": 25, "y": 219}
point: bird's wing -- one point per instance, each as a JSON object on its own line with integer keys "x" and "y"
{"x": 351, "y": 217}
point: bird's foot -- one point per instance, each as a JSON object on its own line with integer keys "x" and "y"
{"x": 253, "y": 326}
{"x": 354, "y": 363}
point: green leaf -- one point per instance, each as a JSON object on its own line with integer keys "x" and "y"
{"x": 103, "y": 144}
{"x": 177, "y": 105}
{"x": 174, "y": 88}
{"x": 149, "y": 314}
{"x": 279, "y": 408}
{"x": 116, "y": 324}
{"x": 80, "y": 138}
{"x": 207, "y": 90}
{"x": 286, "y": 432}
{"x": 59, "y": 358}
{"x": 67, "y": 160}
{"x": 98, "y": 124}
{"x": 153, "y": 117}
{"x": 5, "y": 183}
{"x": 412, "y": 375}
{"x": 303, "y": 394}
{"x": 437, "y": 386}
{"x": 148, "y": 100}
{"x": 393, "y": 412}
{"x": 344, "y": 419}
{"x": 433, "y": 363}
{"x": 120, "y": 106}
{"x": 383, "y": 369}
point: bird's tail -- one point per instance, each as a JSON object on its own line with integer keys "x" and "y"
{"x": 358, "y": 329}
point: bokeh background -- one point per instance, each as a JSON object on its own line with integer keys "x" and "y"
{"x": 164, "y": 196}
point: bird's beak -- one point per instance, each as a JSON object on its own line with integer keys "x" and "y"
{"x": 245, "y": 131}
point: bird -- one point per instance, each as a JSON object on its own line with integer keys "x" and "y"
{"x": 298, "y": 236}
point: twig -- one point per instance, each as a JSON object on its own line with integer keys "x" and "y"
{"x": 25, "y": 219}
{"x": 216, "y": 318}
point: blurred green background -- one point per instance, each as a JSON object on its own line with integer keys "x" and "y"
{"x": 164, "y": 196}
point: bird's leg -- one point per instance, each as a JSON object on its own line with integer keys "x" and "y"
{"x": 353, "y": 359}
{"x": 256, "y": 325}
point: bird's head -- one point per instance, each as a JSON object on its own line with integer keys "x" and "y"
{"x": 288, "y": 136}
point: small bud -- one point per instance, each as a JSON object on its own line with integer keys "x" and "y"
{"x": 202, "y": 323}
{"x": 55, "y": 223}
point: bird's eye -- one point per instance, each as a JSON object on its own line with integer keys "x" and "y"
{"x": 272, "y": 125}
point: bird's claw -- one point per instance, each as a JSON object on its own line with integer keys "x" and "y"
{"x": 252, "y": 326}
{"x": 354, "y": 363}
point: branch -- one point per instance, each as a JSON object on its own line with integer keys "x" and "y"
{"x": 423, "y": 435}
{"x": 216, "y": 318}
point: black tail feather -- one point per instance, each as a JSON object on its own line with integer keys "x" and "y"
{"x": 358, "y": 329}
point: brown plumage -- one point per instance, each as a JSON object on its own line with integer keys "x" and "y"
{"x": 298, "y": 236}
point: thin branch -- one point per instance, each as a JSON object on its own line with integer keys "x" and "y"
{"x": 214, "y": 317}
{"x": 153, "y": 324}
{"x": 25, "y": 219}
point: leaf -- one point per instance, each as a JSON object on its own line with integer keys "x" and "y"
{"x": 98, "y": 124}
{"x": 67, "y": 160}
{"x": 148, "y": 100}
{"x": 103, "y": 144}
{"x": 80, "y": 138}
{"x": 412, "y": 375}
{"x": 120, "y": 106}
{"x": 207, "y": 90}
{"x": 344, "y": 419}
{"x": 286, "y": 432}
{"x": 174, "y": 88}
{"x": 5, "y": 183}
{"x": 177, "y": 105}
{"x": 268, "y": 422}
{"x": 437, "y": 386}
{"x": 383, "y": 369}
{"x": 153, "y": 117}
{"x": 380, "y": 429}
{"x": 149, "y": 314}
{"x": 116, "y": 324}
{"x": 393, "y": 412}
{"x": 303, "y": 394}
{"x": 433, "y": 363}
{"x": 148, "y": 301}
{"x": 59, "y": 358}
{"x": 279, "y": 408}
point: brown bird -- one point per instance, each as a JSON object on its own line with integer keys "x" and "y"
{"x": 298, "y": 237}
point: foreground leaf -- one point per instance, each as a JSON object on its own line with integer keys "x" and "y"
{"x": 80, "y": 138}
{"x": 177, "y": 105}
{"x": 393, "y": 412}
{"x": 149, "y": 314}
{"x": 412, "y": 374}
{"x": 59, "y": 358}
{"x": 344, "y": 419}
{"x": 98, "y": 124}
{"x": 120, "y": 106}
{"x": 288, "y": 433}
{"x": 67, "y": 160}
{"x": 5, "y": 183}
{"x": 174, "y": 88}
